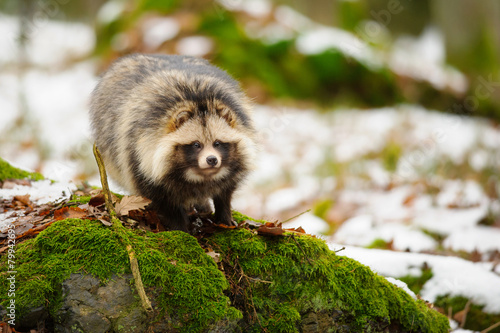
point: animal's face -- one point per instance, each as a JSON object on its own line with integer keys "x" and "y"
{"x": 206, "y": 142}
{"x": 199, "y": 145}
{"x": 206, "y": 159}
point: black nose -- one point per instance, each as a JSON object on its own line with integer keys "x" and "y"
{"x": 212, "y": 160}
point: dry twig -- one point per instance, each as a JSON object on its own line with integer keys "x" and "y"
{"x": 117, "y": 225}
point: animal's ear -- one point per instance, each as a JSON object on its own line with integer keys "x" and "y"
{"x": 179, "y": 118}
{"x": 228, "y": 115}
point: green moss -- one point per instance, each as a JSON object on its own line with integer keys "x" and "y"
{"x": 7, "y": 171}
{"x": 322, "y": 207}
{"x": 239, "y": 218}
{"x": 75, "y": 199}
{"x": 378, "y": 244}
{"x": 277, "y": 279}
{"x": 272, "y": 281}
{"x": 187, "y": 280}
{"x": 477, "y": 320}
{"x": 391, "y": 155}
{"x": 416, "y": 283}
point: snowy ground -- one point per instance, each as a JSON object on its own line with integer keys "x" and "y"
{"x": 418, "y": 180}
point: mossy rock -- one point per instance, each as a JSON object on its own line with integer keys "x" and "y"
{"x": 7, "y": 171}
{"x": 285, "y": 284}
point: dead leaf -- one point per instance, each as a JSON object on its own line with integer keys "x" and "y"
{"x": 23, "y": 228}
{"x": 409, "y": 200}
{"x": 97, "y": 200}
{"x": 131, "y": 202}
{"x": 299, "y": 230}
{"x": 69, "y": 212}
{"x": 24, "y": 199}
{"x": 270, "y": 229}
{"x": 215, "y": 256}
{"x": 106, "y": 223}
{"x": 9, "y": 185}
{"x": 4, "y": 327}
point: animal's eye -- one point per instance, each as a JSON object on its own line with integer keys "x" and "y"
{"x": 216, "y": 144}
{"x": 197, "y": 145}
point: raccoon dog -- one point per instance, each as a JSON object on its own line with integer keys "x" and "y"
{"x": 176, "y": 130}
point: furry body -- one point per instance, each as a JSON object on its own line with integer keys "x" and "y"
{"x": 176, "y": 130}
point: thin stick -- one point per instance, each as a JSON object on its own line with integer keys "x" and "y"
{"x": 294, "y": 217}
{"x": 134, "y": 265}
{"x": 104, "y": 182}
{"x": 491, "y": 327}
{"x": 466, "y": 311}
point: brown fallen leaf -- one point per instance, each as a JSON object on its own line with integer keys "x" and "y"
{"x": 131, "y": 202}
{"x": 270, "y": 229}
{"x": 298, "y": 231}
{"x": 97, "y": 200}
{"x": 24, "y": 199}
{"x": 215, "y": 256}
{"x": 69, "y": 212}
{"x": 11, "y": 183}
{"x": 5, "y": 328}
{"x": 105, "y": 222}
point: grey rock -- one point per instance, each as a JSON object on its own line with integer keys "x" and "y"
{"x": 91, "y": 306}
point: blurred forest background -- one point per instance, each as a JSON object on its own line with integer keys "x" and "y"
{"x": 380, "y": 116}
{"x": 256, "y": 41}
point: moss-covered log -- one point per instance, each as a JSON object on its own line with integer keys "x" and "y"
{"x": 284, "y": 284}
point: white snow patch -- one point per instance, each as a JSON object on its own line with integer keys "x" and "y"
{"x": 423, "y": 58}
{"x": 255, "y": 8}
{"x": 481, "y": 238}
{"x": 361, "y": 230}
{"x": 194, "y": 46}
{"x": 288, "y": 198}
{"x": 40, "y": 192}
{"x": 325, "y": 38}
{"x": 158, "y": 30}
{"x": 402, "y": 285}
{"x": 444, "y": 220}
{"x": 110, "y": 11}
{"x": 310, "y": 223}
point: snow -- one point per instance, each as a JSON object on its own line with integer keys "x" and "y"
{"x": 110, "y": 11}
{"x": 56, "y": 98}
{"x": 310, "y": 223}
{"x": 423, "y": 58}
{"x": 478, "y": 238}
{"x": 325, "y": 38}
{"x": 156, "y": 31}
{"x": 402, "y": 285}
{"x": 453, "y": 276}
{"x": 196, "y": 46}
{"x": 41, "y": 192}
{"x": 255, "y": 8}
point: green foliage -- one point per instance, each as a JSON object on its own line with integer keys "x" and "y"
{"x": 284, "y": 72}
{"x": 188, "y": 280}
{"x": 477, "y": 320}
{"x": 239, "y": 218}
{"x": 416, "y": 283}
{"x": 7, "y": 171}
{"x": 161, "y": 6}
{"x": 391, "y": 155}
{"x": 321, "y": 208}
{"x": 79, "y": 200}
{"x": 284, "y": 277}
{"x": 378, "y": 243}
